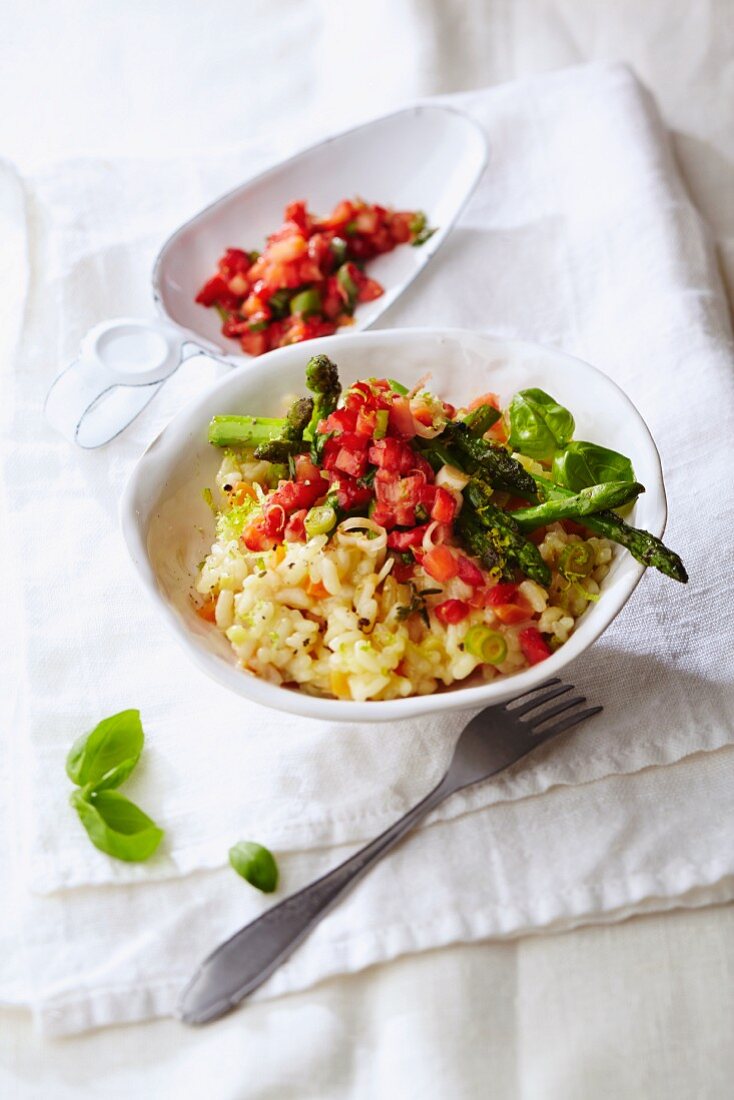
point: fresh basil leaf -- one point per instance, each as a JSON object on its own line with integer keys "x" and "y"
{"x": 581, "y": 464}
{"x": 116, "y": 825}
{"x": 255, "y": 864}
{"x": 539, "y": 426}
{"x": 107, "y": 755}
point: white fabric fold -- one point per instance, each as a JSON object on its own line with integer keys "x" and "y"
{"x": 579, "y": 235}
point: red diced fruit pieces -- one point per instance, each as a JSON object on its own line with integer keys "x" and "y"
{"x": 451, "y": 611}
{"x": 306, "y": 255}
{"x": 440, "y": 563}
{"x": 444, "y": 506}
{"x": 500, "y": 594}
{"x": 533, "y": 645}
{"x": 469, "y": 572}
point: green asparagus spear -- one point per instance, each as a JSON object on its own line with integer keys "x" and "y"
{"x": 502, "y": 531}
{"x": 481, "y": 419}
{"x": 291, "y": 439}
{"x": 274, "y": 438}
{"x": 244, "y": 431}
{"x": 492, "y": 461}
{"x": 644, "y": 547}
{"x": 595, "y": 498}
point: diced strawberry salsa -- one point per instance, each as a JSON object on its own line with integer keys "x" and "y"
{"x": 309, "y": 278}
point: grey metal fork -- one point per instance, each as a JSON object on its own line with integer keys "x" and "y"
{"x": 494, "y": 739}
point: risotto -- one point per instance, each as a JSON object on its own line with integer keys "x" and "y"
{"x": 381, "y": 543}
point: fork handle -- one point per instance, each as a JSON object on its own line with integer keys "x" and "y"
{"x": 244, "y": 962}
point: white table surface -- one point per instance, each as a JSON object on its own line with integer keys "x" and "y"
{"x": 642, "y": 1009}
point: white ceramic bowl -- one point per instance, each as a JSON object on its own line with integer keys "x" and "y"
{"x": 168, "y": 527}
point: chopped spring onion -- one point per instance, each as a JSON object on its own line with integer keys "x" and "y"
{"x": 381, "y": 420}
{"x": 577, "y": 560}
{"x": 488, "y": 645}
{"x": 307, "y": 302}
{"x": 339, "y": 248}
{"x": 451, "y": 477}
{"x": 320, "y": 520}
{"x": 398, "y": 387}
{"x": 348, "y": 285}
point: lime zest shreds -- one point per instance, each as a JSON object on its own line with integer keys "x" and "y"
{"x": 576, "y": 561}
{"x": 487, "y": 645}
{"x": 230, "y": 524}
{"x": 320, "y": 520}
{"x": 209, "y": 499}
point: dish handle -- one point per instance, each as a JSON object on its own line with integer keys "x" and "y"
{"x": 121, "y": 366}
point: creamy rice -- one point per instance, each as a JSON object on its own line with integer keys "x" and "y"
{"x": 328, "y": 616}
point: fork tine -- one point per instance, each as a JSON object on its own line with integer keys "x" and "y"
{"x": 536, "y": 720}
{"x": 517, "y": 712}
{"x": 566, "y": 723}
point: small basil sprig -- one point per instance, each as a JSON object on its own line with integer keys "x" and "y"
{"x": 582, "y": 464}
{"x": 255, "y": 864}
{"x": 98, "y": 762}
{"x": 539, "y": 426}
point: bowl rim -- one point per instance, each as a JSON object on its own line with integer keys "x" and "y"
{"x": 298, "y": 702}
{"x": 429, "y": 250}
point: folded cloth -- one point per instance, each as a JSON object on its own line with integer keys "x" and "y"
{"x": 580, "y": 235}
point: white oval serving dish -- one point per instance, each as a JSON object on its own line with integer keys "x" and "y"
{"x": 424, "y": 157}
{"x": 168, "y": 527}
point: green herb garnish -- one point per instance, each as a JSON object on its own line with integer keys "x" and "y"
{"x": 255, "y": 864}
{"x": 539, "y": 426}
{"x": 98, "y": 762}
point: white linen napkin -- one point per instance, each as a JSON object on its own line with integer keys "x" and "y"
{"x": 581, "y": 235}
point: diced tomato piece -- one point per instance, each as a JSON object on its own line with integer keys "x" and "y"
{"x": 319, "y": 247}
{"x": 255, "y": 536}
{"x": 403, "y": 540}
{"x": 295, "y": 528}
{"x": 469, "y": 572}
{"x": 400, "y": 224}
{"x": 500, "y": 593}
{"x": 254, "y": 343}
{"x": 401, "y": 418}
{"x": 440, "y": 563}
{"x": 214, "y": 290}
{"x": 534, "y": 646}
{"x": 444, "y": 506}
{"x": 403, "y": 571}
{"x": 421, "y": 465}
{"x": 392, "y": 455}
{"x": 405, "y": 514}
{"x": 510, "y": 613}
{"x": 342, "y": 213}
{"x": 274, "y": 520}
{"x": 292, "y": 495}
{"x": 342, "y": 420}
{"x": 368, "y": 290}
{"x": 366, "y": 421}
{"x": 234, "y": 262}
{"x": 385, "y": 516}
{"x": 355, "y": 441}
{"x": 296, "y": 212}
{"x": 351, "y": 462}
{"x": 305, "y": 469}
{"x": 451, "y": 611}
{"x": 351, "y": 495}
